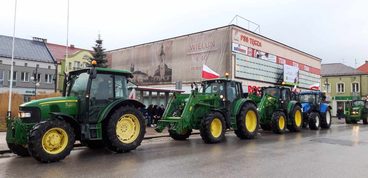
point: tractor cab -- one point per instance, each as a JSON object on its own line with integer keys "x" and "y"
{"x": 228, "y": 90}
{"x": 358, "y": 110}
{"x": 282, "y": 94}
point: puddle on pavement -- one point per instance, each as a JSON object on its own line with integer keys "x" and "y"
{"x": 339, "y": 141}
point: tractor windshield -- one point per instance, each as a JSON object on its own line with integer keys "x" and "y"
{"x": 307, "y": 98}
{"x": 214, "y": 87}
{"x": 275, "y": 92}
{"x": 77, "y": 84}
{"x": 358, "y": 103}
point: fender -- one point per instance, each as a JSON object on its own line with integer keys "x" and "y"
{"x": 69, "y": 119}
{"x": 239, "y": 104}
{"x": 324, "y": 107}
{"x": 116, "y": 104}
{"x": 291, "y": 106}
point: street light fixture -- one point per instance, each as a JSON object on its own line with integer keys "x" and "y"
{"x": 35, "y": 79}
{"x": 326, "y": 85}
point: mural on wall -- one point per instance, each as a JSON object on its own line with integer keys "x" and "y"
{"x": 158, "y": 74}
{"x": 177, "y": 59}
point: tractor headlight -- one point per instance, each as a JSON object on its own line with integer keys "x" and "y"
{"x": 22, "y": 114}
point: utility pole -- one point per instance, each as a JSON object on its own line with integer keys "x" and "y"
{"x": 12, "y": 63}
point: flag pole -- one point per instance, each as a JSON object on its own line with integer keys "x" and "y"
{"x": 12, "y": 63}
{"x": 67, "y": 34}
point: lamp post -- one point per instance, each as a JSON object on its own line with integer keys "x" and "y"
{"x": 326, "y": 85}
{"x": 35, "y": 79}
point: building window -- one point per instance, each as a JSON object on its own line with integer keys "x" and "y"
{"x": 24, "y": 77}
{"x": 13, "y": 63}
{"x": 1, "y": 61}
{"x": 355, "y": 87}
{"x": 70, "y": 66}
{"x": 38, "y": 77}
{"x": 340, "y": 88}
{"x": 14, "y": 75}
{"x": 49, "y": 67}
{"x": 25, "y": 64}
{"x": 328, "y": 87}
{"x": 76, "y": 65}
{"x": 48, "y": 78}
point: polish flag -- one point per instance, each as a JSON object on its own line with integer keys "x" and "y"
{"x": 208, "y": 73}
{"x": 314, "y": 86}
{"x": 132, "y": 94}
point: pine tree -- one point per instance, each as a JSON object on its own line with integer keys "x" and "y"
{"x": 99, "y": 53}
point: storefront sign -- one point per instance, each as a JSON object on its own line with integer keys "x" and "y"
{"x": 291, "y": 75}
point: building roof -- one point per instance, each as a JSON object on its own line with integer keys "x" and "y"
{"x": 58, "y": 51}
{"x": 33, "y": 50}
{"x": 338, "y": 69}
{"x": 364, "y": 67}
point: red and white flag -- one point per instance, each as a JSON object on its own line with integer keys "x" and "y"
{"x": 208, "y": 73}
{"x": 314, "y": 86}
{"x": 132, "y": 94}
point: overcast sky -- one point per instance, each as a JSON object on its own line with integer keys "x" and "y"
{"x": 334, "y": 30}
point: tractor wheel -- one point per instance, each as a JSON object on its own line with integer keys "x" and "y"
{"x": 247, "y": 122}
{"x": 347, "y": 120}
{"x": 124, "y": 130}
{"x": 213, "y": 128}
{"x": 51, "y": 141}
{"x": 176, "y": 136}
{"x": 296, "y": 120}
{"x": 19, "y": 150}
{"x": 314, "y": 121}
{"x": 326, "y": 120}
{"x": 266, "y": 127}
{"x": 278, "y": 122}
{"x": 93, "y": 144}
{"x": 365, "y": 120}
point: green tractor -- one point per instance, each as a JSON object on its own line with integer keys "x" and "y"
{"x": 358, "y": 110}
{"x": 220, "y": 105}
{"x": 278, "y": 110}
{"x": 93, "y": 109}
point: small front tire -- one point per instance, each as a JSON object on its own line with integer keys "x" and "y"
{"x": 176, "y": 136}
{"x": 19, "y": 150}
{"x": 314, "y": 121}
{"x": 51, "y": 141}
{"x": 278, "y": 122}
{"x": 213, "y": 128}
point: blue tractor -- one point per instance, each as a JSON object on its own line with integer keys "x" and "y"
{"x": 316, "y": 112}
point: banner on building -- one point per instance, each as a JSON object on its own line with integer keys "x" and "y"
{"x": 291, "y": 75}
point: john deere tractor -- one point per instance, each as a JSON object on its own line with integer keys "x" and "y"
{"x": 316, "y": 112}
{"x": 358, "y": 110}
{"x": 93, "y": 109}
{"x": 220, "y": 105}
{"x": 279, "y": 111}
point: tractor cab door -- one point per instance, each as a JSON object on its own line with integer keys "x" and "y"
{"x": 285, "y": 97}
{"x": 101, "y": 94}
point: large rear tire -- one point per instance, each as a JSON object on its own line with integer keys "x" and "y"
{"x": 247, "y": 122}
{"x": 278, "y": 122}
{"x": 213, "y": 128}
{"x": 51, "y": 141}
{"x": 326, "y": 120}
{"x": 176, "y": 136}
{"x": 296, "y": 120}
{"x": 19, "y": 150}
{"x": 314, "y": 121}
{"x": 124, "y": 130}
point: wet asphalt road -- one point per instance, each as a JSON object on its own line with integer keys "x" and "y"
{"x": 341, "y": 151}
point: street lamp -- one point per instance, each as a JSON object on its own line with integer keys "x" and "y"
{"x": 35, "y": 79}
{"x": 326, "y": 85}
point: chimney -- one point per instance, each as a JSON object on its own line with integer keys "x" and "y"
{"x": 71, "y": 46}
{"x": 39, "y": 39}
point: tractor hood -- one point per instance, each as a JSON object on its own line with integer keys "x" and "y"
{"x": 49, "y": 101}
{"x": 38, "y": 110}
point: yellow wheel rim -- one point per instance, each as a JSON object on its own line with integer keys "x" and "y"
{"x": 55, "y": 140}
{"x": 298, "y": 118}
{"x": 216, "y": 127}
{"x": 282, "y": 122}
{"x": 128, "y": 128}
{"x": 251, "y": 121}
